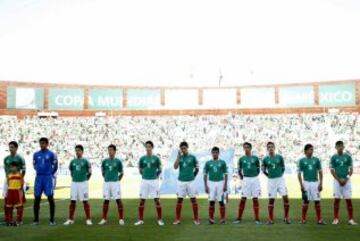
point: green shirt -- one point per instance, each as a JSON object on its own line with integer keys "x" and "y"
{"x": 341, "y": 164}
{"x": 216, "y": 170}
{"x": 250, "y": 165}
{"x": 80, "y": 169}
{"x": 150, "y": 166}
{"x": 187, "y": 165}
{"x": 310, "y": 168}
{"x": 275, "y": 166}
{"x": 111, "y": 169}
{"x": 18, "y": 160}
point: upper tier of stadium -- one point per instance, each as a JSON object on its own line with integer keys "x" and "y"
{"x": 29, "y": 99}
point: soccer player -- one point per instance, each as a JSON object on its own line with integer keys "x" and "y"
{"x": 20, "y": 163}
{"x": 273, "y": 167}
{"x": 150, "y": 170}
{"x": 112, "y": 171}
{"x": 188, "y": 169}
{"x": 215, "y": 180}
{"x": 310, "y": 177}
{"x": 249, "y": 169}
{"x": 45, "y": 165}
{"x": 15, "y": 195}
{"x": 80, "y": 170}
{"x": 342, "y": 168}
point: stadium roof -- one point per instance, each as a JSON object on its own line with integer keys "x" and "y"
{"x": 183, "y": 43}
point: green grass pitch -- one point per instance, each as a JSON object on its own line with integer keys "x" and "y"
{"x": 186, "y": 231}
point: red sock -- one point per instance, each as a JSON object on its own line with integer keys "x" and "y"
{"x": 120, "y": 209}
{"x": 178, "y": 211}
{"x": 159, "y": 211}
{"x": 9, "y": 215}
{"x": 211, "y": 212}
{"x": 286, "y": 209}
{"x": 19, "y": 215}
{"x": 105, "y": 209}
{"x": 336, "y": 208}
{"x": 241, "y": 209}
{"x": 5, "y": 210}
{"x": 222, "y": 212}
{"x": 195, "y": 208}
{"x": 304, "y": 211}
{"x": 141, "y": 212}
{"x": 350, "y": 208}
{"x": 256, "y": 208}
{"x": 87, "y": 209}
{"x": 318, "y": 211}
{"x": 6, "y": 213}
{"x": 72, "y": 207}
{"x": 271, "y": 212}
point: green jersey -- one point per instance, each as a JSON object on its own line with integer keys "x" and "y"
{"x": 341, "y": 164}
{"x": 187, "y": 165}
{"x": 150, "y": 166}
{"x": 20, "y": 162}
{"x": 310, "y": 168}
{"x": 274, "y": 166}
{"x": 111, "y": 169}
{"x": 80, "y": 170}
{"x": 216, "y": 170}
{"x": 250, "y": 165}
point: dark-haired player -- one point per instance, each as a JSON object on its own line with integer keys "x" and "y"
{"x": 150, "y": 170}
{"x": 310, "y": 177}
{"x": 46, "y": 165}
{"x": 341, "y": 166}
{"x": 249, "y": 169}
{"x": 113, "y": 171}
{"x": 273, "y": 166}
{"x": 20, "y": 163}
{"x": 80, "y": 170}
{"x": 188, "y": 169}
{"x": 215, "y": 180}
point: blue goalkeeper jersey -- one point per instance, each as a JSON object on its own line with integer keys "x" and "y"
{"x": 45, "y": 162}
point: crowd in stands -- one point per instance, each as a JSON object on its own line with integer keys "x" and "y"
{"x": 290, "y": 132}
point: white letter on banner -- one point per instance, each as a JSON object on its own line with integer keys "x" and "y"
{"x": 58, "y": 101}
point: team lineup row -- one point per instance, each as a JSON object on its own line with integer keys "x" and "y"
{"x": 215, "y": 178}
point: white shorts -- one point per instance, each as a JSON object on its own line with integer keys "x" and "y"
{"x": 275, "y": 186}
{"x": 342, "y": 191}
{"x": 149, "y": 189}
{"x": 312, "y": 189}
{"x": 216, "y": 190}
{"x": 251, "y": 187}
{"x": 79, "y": 191}
{"x": 111, "y": 190}
{"x": 5, "y": 189}
{"x": 186, "y": 189}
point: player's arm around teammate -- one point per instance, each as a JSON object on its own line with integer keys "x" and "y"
{"x": 273, "y": 166}
{"x": 215, "y": 181}
{"x": 249, "y": 169}
{"x": 80, "y": 170}
{"x": 341, "y": 167}
{"x": 113, "y": 171}
{"x": 188, "y": 169}
{"x": 310, "y": 177}
{"x": 150, "y": 170}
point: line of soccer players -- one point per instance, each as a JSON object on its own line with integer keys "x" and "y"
{"x": 310, "y": 178}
